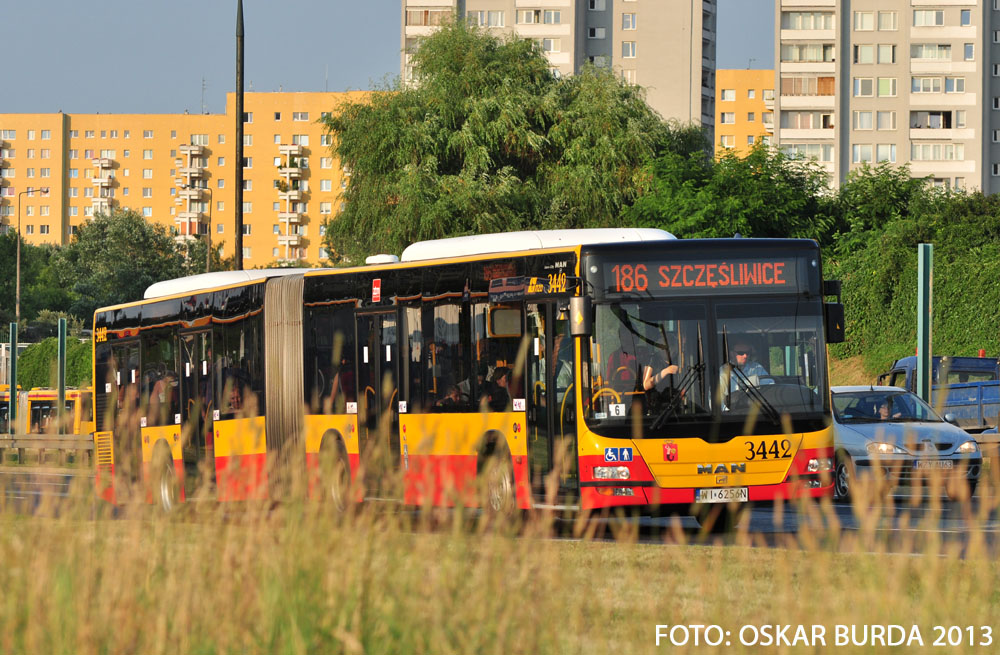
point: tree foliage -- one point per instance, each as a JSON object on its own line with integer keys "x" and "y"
{"x": 488, "y": 141}
{"x": 36, "y": 367}
{"x": 763, "y": 194}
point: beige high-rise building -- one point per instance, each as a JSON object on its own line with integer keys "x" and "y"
{"x": 667, "y": 47}
{"x": 179, "y": 170}
{"x": 902, "y": 81}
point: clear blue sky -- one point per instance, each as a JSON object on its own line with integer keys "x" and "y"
{"x": 149, "y": 56}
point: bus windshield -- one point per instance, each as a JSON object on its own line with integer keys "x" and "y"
{"x": 669, "y": 367}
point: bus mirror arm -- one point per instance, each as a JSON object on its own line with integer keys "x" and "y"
{"x": 580, "y": 316}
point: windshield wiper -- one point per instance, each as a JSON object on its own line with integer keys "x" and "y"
{"x": 743, "y": 381}
{"x": 693, "y": 374}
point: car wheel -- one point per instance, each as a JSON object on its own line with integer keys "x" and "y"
{"x": 843, "y": 478}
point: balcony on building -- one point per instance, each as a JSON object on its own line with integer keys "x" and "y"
{"x": 190, "y": 193}
{"x": 192, "y": 150}
{"x": 103, "y": 182}
{"x": 100, "y": 204}
{"x": 293, "y": 195}
{"x": 189, "y": 216}
{"x": 191, "y": 171}
{"x": 289, "y": 239}
{"x": 290, "y": 171}
{"x": 102, "y": 162}
{"x": 290, "y": 150}
{"x": 291, "y": 217}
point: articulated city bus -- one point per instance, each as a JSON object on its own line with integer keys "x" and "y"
{"x": 600, "y": 368}
{"x": 37, "y": 412}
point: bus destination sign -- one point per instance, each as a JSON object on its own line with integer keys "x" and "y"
{"x": 702, "y": 277}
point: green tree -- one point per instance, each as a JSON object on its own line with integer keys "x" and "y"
{"x": 37, "y": 365}
{"x": 487, "y": 141}
{"x": 762, "y": 194}
{"x": 113, "y": 258}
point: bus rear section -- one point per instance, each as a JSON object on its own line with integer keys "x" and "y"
{"x": 707, "y": 374}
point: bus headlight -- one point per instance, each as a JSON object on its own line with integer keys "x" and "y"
{"x": 611, "y": 473}
{"x": 968, "y": 447}
{"x": 820, "y": 464}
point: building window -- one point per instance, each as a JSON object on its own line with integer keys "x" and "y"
{"x": 199, "y": 139}
{"x": 727, "y": 118}
{"x": 597, "y": 5}
{"x": 996, "y": 70}
{"x": 750, "y": 117}
{"x": 326, "y": 185}
{"x": 864, "y": 54}
{"x": 966, "y": 17}
{"x": 222, "y": 184}
{"x": 887, "y": 87}
{"x": 628, "y": 49}
{"x": 325, "y": 140}
{"x": 862, "y": 120}
{"x": 885, "y": 120}
{"x": 550, "y": 17}
{"x": 954, "y": 85}
{"x": 728, "y": 95}
{"x": 247, "y": 207}
{"x": 727, "y": 141}
{"x": 863, "y": 87}
{"x": 925, "y": 85}
{"x": 960, "y": 118}
{"x": 930, "y": 51}
{"x": 277, "y": 115}
{"x": 43, "y": 229}
{"x": 864, "y": 21}
{"x": 276, "y": 229}
{"x": 595, "y": 33}
{"x": 970, "y": 51}
{"x": 146, "y": 134}
{"x": 928, "y": 17}
{"x": 937, "y": 152}
{"x": 628, "y": 21}
{"x": 885, "y": 152}
{"x": 325, "y": 207}
{"x": 248, "y": 117}
{"x": 886, "y": 54}
{"x": 326, "y": 162}
{"x": 552, "y": 45}
{"x": 247, "y": 253}
{"x": 89, "y": 134}
{"x": 248, "y": 162}
{"x": 147, "y": 211}
{"x": 806, "y": 20}
{"x": 46, "y": 134}
{"x": 807, "y": 52}
{"x": 147, "y": 154}
{"x": 750, "y": 140}
{"x": 300, "y": 139}
{"x": 147, "y": 173}
{"x": 861, "y": 154}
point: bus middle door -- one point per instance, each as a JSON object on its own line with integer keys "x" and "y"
{"x": 197, "y": 407}
{"x": 551, "y": 418}
{"x": 378, "y": 403}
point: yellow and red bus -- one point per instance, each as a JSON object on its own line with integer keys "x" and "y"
{"x": 37, "y": 411}
{"x": 600, "y": 366}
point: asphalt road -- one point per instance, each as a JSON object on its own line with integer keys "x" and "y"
{"x": 902, "y": 523}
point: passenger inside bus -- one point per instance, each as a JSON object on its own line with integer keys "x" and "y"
{"x": 660, "y": 365}
{"x": 623, "y": 367}
{"x": 497, "y": 390}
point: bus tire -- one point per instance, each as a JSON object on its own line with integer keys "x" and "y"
{"x": 166, "y": 486}
{"x": 334, "y": 473}
{"x": 720, "y": 518}
{"x": 497, "y": 469}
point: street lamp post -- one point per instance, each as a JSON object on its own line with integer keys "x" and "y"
{"x": 17, "y": 290}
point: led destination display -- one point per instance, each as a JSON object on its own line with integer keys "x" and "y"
{"x": 724, "y": 276}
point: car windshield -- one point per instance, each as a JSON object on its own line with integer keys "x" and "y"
{"x": 872, "y": 406}
{"x": 665, "y": 362}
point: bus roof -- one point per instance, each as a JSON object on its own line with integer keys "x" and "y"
{"x": 204, "y": 281}
{"x": 482, "y": 244}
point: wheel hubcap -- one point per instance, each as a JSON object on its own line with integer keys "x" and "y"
{"x": 843, "y": 480}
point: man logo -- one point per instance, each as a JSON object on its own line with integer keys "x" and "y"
{"x": 708, "y": 469}
{"x": 670, "y": 452}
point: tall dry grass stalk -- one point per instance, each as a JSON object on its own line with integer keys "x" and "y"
{"x": 301, "y": 578}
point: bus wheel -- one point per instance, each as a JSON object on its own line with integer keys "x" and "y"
{"x": 501, "y": 496}
{"x": 719, "y": 518}
{"x": 166, "y": 487}
{"x": 335, "y": 474}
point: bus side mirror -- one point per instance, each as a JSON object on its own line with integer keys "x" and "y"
{"x": 833, "y": 314}
{"x": 580, "y": 319}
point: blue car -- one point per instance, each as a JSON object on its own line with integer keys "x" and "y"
{"x": 894, "y": 430}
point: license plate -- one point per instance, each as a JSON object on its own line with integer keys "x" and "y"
{"x": 722, "y": 495}
{"x": 933, "y": 464}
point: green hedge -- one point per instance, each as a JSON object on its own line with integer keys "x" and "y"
{"x": 37, "y": 365}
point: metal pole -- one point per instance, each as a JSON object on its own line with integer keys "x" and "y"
{"x": 17, "y": 292}
{"x": 61, "y": 368}
{"x": 925, "y": 287}
{"x": 12, "y": 414}
{"x": 239, "y": 136}
{"x": 208, "y": 252}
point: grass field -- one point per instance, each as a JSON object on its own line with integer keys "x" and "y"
{"x": 302, "y": 579}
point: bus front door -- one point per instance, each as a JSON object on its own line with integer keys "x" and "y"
{"x": 197, "y": 407}
{"x": 124, "y": 385}
{"x": 551, "y": 419}
{"x": 378, "y": 403}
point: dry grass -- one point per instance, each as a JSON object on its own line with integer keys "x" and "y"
{"x": 850, "y": 370}
{"x": 302, "y": 579}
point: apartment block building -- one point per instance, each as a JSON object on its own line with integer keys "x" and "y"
{"x": 903, "y": 81}
{"x": 744, "y": 109}
{"x": 667, "y": 47}
{"x": 179, "y": 170}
